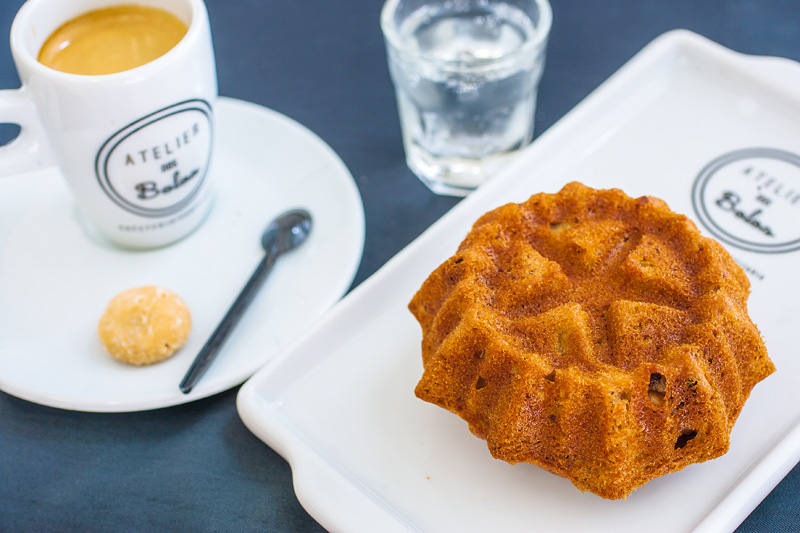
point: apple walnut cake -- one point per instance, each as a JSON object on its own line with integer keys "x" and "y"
{"x": 595, "y": 335}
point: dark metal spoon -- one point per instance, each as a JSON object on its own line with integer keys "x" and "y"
{"x": 285, "y": 233}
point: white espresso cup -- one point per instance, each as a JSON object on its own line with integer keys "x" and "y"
{"x": 134, "y": 146}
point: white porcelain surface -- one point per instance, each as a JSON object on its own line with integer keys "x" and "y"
{"x": 56, "y": 278}
{"x": 371, "y": 457}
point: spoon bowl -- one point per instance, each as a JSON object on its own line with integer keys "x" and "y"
{"x": 287, "y": 231}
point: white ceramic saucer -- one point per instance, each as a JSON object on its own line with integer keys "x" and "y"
{"x": 56, "y": 278}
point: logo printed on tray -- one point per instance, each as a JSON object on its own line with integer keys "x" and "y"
{"x": 750, "y": 199}
{"x": 155, "y": 166}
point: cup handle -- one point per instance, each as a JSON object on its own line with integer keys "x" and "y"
{"x": 30, "y": 150}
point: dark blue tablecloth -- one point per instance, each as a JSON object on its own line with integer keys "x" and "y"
{"x": 196, "y": 467}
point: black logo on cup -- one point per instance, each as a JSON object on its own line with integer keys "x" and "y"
{"x": 155, "y": 167}
{"x": 750, "y": 199}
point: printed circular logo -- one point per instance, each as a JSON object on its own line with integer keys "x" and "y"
{"x": 751, "y": 199}
{"x": 155, "y": 166}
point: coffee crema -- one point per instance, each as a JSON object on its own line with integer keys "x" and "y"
{"x": 112, "y": 39}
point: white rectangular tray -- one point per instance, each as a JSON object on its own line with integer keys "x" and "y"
{"x": 367, "y": 455}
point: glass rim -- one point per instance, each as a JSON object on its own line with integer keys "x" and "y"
{"x": 393, "y": 39}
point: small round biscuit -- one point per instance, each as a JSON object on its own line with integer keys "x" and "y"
{"x": 144, "y": 325}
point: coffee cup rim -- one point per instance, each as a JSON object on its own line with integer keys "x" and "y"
{"x": 22, "y": 53}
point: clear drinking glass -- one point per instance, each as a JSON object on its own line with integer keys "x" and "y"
{"x": 466, "y": 74}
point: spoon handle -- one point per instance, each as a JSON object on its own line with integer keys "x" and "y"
{"x": 237, "y": 309}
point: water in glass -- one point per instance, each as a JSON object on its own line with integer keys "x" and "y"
{"x": 467, "y": 93}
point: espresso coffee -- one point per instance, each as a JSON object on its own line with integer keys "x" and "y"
{"x": 113, "y": 39}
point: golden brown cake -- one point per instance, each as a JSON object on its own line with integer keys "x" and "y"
{"x": 144, "y": 325}
{"x": 595, "y": 335}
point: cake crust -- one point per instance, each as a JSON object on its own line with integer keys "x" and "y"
{"x": 598, "y": 336}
